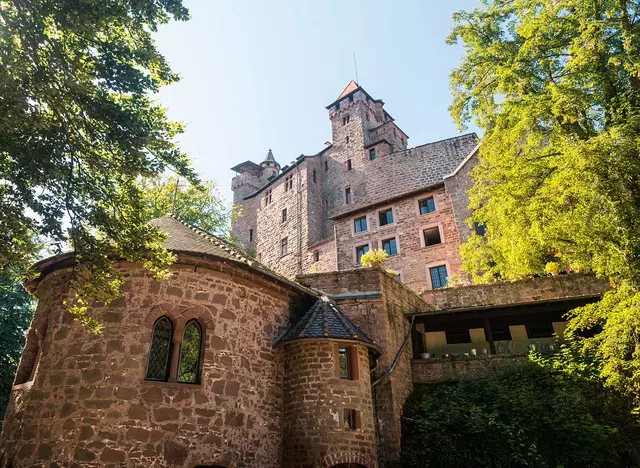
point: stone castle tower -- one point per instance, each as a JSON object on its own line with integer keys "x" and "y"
{"x": 365, "y": 189}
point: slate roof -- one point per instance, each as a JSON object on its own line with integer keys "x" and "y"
{"x": 325, "y": 320}
{"x": 269, "y": 157}
{"x": 185, "y": 238}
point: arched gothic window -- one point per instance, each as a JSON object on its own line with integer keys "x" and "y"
{"x": 160, "y": 351}
{"x": 189, "y": 364}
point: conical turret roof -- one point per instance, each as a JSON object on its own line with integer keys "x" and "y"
{"x": 269, "y": 158}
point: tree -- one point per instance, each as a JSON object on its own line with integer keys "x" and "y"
{"x": 78, "y": 129}
{"x": 524, "y": 415}
{"x": 556, "y": 88}
{"x": 16, "y": 313}
{"x": 200, "y": 205}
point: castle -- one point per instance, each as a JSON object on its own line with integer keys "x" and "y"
{"x": 365, "y": 190}
{"x": 284, "y": 351}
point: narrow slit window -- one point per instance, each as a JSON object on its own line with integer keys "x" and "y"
{"x": 349, "y": 419}
{"x": 284, "y": 246}
{"x": 284, "y": 215}
{"x": 372, "y": 154}
{"x": 250, "y": 235}
{"x": 188, "y": 370}
{"x": 347, "y": 195}
{"x": 349, "y": 164}
{"x": 160, "y": 350}
{"x": 315, "y": 177}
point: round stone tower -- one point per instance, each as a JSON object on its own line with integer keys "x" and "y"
{"x": 270, "y": 167}
{"x": 183, "y": 374}
{"x": 328, "y": 418}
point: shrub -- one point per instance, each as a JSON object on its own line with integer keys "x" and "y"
{"x": 374, "y": 257}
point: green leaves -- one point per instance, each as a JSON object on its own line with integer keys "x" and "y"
{"x": 556, "y": 87}
{"x": 525, "y": 415}
{"x": 78, "y": 129}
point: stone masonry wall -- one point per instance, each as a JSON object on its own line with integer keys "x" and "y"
{"x": 534, "y": 289}
{"x": 315, "y": 398}
{"x": 426, "y": 371}
{"x": 89, "y": 404}
{"x": 377, "y": 303}
{"x": 413, "y": 259}
{"x": 458, "y": 186}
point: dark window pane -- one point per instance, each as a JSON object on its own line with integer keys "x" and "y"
{"x": 427, "y": 205}
{"x": 348, "y": 164}
{"x": 360, "y": 251}
{"x": 158, "y": 365}
{"x": 501, "y": 334}
{"x": 372, "y": 154}
{"x": 386, "y": 217}
{"x": 540, "y": 331}
{"x": 438, "y": 276}
{"x": 479, "y": 228}
{"x": 432, "y": 236}
{"x": 190, "y": 353}
{"x": 349, "y": 419}
{"x": 458, "y": 337}
{"x": 347, "y": 195}
{"x": 360, "y": 224}
{"x": 390, "y": 246}
{"x": 343, "y": 353}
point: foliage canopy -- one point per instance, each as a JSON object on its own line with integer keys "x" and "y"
{"x": 525, "y": 415}
{"x": 556, "y": 88}
{"x": 78, "y": 129}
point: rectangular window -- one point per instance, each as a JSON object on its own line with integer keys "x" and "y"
{"x": 348, "y": 164}
{"x": 315, "y": 178}
{"x": 540, "y": 331}
{"x": 349, "y": 419}
{"x": 346, "y": 119}
{"x": 431, "y": 236}
{"x": 316, "y": 256}
{"x": 284, "y": 246}
{"x": 438, "y": 276}
{"x": 360, "y": 224}
{"x": 347, "y": 195}
{"x": 250, "y": 235}
{"x": 427, "y": 206}
{"x": 345, "y": 364}
{"x": 288, "y": 182}
{"x": 326, "y": 166}
{"x": 360, "y": 251}
{"x": 372, "y": 154}
{"x": 458, "y": 337}
{"x": 390, "y": 246}
{"x": 501, "y": 334}
{"x": 385, "y": 217}
{"x": 347, "y": 138}
{"x": 267, "y": 197}
{"x": 284, "y": 215}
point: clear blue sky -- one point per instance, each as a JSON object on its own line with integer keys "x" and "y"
{"x": 257, "y": 74}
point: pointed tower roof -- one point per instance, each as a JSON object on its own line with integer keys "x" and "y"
{"x": 351, "y": 87}
{"x": 269, "y": 158}
{"x": 325, "y": 320}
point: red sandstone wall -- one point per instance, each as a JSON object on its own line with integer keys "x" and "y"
{"x": 90, "y": 405}
{"x": 453, "y": 369}
{"x": 529, "y": 290}
{"x": 314, "y": 402}
{"x": 413, "y": 259}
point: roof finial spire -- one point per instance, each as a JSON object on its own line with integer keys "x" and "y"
{"x": 355, "y": 66}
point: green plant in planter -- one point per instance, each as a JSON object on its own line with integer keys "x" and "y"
{"x": 374, "y": 258}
